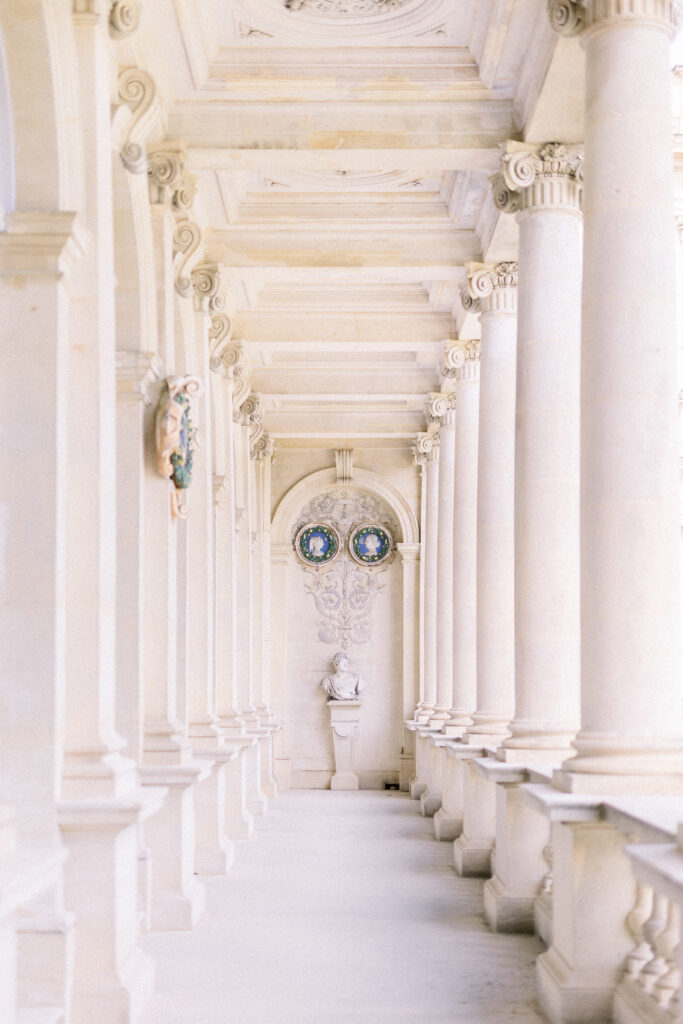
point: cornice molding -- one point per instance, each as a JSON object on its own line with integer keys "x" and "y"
{"x": 36, "y": 243}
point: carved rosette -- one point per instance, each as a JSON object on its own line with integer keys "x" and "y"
{"x": 569, "y": 18}
{"x": 176, "y": 437}
{"x": 549, "y": 175}
{"x": 495, "y": 285}
{"x": 138, "y": 91}
{"x": 426, "y": 448}
{"x": 461, "y": 360}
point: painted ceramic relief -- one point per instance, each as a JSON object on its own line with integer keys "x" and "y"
{"x": 317, "y": 544}
{"x": 370, "y": 544}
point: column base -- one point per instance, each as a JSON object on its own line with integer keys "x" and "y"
{"x": 214, "y": 849}
{"x": 506, "y": 912}
{"x": 472, "y": 857}
{"x": 446, "y": 828}
{"x": 120, "y": 1004}
{"x": 176, "y": 912}
{"x": 417, "y": 788}
{"x": 429, "y": 804}
{"x": 569, "y": 997}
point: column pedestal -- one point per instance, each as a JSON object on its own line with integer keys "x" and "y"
{"x": 177, "y": 897}
{"x": 344, "y": 720}
{"x": 521, "y": 837}
{"x": 239, "y": 819}
{"x": 215, "y": 850}
{"x": 472, "y": 849}
{"x": 448, "y": 819}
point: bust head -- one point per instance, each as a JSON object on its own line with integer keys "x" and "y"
{"x": 341, "y": 661}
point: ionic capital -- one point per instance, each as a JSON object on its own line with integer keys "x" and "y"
{"x": 533, "y": 177}
{"x": 138, "y": 92}
{"x": 461, "y": 360}
{"x": 169, "y": 182}
{"x": 206, "y": 284}
{"x": 495, "y": 285}
{"x": 263, "y": 448}
{"x": 124, "y": 18}
{"x": 440, "y": 408}
{"x": 250, "y": 411}
{"x": 426, "y": 448}
{"x": 571, "y": 18}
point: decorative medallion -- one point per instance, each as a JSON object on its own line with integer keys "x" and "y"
{"x": 370, "y": 544}
{"x": 176, "y": 437}
{"x": 317, "y": 544}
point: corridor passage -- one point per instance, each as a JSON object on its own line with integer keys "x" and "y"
{"x": 343, "y": 909}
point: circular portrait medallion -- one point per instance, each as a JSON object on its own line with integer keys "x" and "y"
{"x": 370, "y": 544}
{"x": 317, "y": 544}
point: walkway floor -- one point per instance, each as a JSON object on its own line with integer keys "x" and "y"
{"x": 343, "y": 909}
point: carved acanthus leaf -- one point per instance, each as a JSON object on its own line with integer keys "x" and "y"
{"x": 187, "y": 240}
{"x": 138, "y": 91}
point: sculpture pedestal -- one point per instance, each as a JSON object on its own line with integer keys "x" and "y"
{"x": 344, "y": 719}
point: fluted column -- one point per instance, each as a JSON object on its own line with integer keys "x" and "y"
{"x": 630, "y": 659}
{"x": 441, "y": 408}
{"x": 496, "y": 289}
{"x": 427, "y": 449}
{"x": 461, "y": 361}
{"x": 544, "y": 184}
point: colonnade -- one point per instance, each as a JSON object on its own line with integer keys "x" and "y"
{"x": 136, "y": 730}
{"x": 567, "y": 744}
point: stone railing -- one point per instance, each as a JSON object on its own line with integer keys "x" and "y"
{"x": 649, "y": 991}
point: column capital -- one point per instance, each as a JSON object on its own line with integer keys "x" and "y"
{"x": 532, "y": 176}
{"x": 440, "y": 408}
{"x": 571, "y": 18}
{"x": 169, "y": 182}
{"x": 409, "y": 552}
{"x": 495, "y": 285}
{"x": 39, "y": 244}
{"x": 206, "y": 285}
{"x": 461, "y": 360}
{"x": 263, "y": 448}
{"x": 426, "y": 448}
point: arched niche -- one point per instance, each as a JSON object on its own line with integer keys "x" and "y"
{"x": 301, "y": 653}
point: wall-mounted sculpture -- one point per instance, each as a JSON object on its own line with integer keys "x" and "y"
{"x": 176, "y": 437}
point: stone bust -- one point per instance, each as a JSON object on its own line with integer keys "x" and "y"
{"x": 343, "y": 684}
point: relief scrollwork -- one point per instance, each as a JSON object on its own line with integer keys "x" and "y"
{"x": 344, "y": 598}
{"x": 176, "y": 437}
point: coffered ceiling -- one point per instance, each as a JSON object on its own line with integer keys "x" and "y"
{"x": 343, "y": 150}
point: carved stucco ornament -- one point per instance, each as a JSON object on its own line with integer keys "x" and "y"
{"x": 138, "y": 91}
{"x": 176, "y": 437}
{"x": 350, "y": 8}
{"x": 124, "y": 18}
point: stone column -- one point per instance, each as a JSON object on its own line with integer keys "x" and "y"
{"x": 441, "y": 408}
{"x": 427, "y": 449}
{"x": 496, "y": 289}
{"x": 461, "y": 361}
{"x": 630, "y": 626}
{"x": 410, "y": 563}
{"x": 263, "y": 449}
{"x": 282, "y": 557}
{"x": 547, "y": 671}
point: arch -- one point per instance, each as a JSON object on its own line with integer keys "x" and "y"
{"x": 290, "y": 505}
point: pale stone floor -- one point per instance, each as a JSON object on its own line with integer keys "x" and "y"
{"x": 343, "y": 909}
